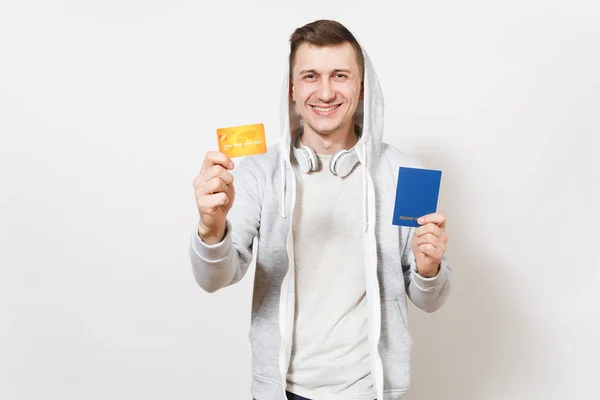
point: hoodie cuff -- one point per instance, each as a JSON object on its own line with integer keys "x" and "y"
{"x": 429, "y": 284}
{"x": 213, "y": 252}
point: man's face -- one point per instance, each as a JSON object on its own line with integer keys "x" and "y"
{"x": 326, "y": 86}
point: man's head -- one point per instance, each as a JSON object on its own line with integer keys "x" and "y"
{"x": 326, "y": 75}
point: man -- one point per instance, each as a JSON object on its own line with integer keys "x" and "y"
{"x": 329, "y": 310}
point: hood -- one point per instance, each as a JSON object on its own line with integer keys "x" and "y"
{"x": 368, "y": 117}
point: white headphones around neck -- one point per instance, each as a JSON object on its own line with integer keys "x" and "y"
{"x": 341, "y": 163}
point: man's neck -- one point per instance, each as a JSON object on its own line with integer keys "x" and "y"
{"x": 344, "y": 138}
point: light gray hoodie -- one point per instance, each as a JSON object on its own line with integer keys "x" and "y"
{"x": 265, "y": 188}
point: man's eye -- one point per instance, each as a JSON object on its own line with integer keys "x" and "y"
{"x": 341, "y": 76}
{"x": 309, "y": 76}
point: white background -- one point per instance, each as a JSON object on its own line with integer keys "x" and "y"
{"x": 106, "y": 111}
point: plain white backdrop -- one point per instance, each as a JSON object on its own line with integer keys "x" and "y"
{"x": 107, "y": 109}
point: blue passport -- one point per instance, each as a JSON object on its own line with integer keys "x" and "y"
{"x": 416, "y": 195}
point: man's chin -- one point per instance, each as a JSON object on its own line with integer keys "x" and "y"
{"x": 324, "y": 129}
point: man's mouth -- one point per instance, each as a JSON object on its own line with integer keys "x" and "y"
{"x": 325, "y": 110}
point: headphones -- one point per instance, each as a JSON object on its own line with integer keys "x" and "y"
{"x": 341, "y": 163}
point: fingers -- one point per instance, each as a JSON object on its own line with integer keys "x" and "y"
{"x": 216, "y": 179}
{"x": 438, "y": 219}
{"x": 432, "y": 229}
{"x": 429, "y": 251}
{"x": 429, "y": 242}
{"x": 216, "y": 158}
{"x": 219, "y": 172}
{"x": 212, "y": 194}
{"x": 214, "y": 186}
{"x": 211, "y": 203}
{"x": 216, "y": 171}
{"x": 431, "y": 238}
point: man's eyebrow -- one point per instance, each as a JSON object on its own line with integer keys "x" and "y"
{"x": 335, "y": 71}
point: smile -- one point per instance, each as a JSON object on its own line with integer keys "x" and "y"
{"x": 325, "y": 110}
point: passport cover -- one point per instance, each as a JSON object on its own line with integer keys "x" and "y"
{"x": 416, "y": 195}
{"x": 243, "y": 140}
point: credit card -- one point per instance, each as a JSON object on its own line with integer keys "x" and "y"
{"x": 416, "y": 195}
{"x": 243, "y": 140}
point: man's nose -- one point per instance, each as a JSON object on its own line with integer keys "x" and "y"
{"x": 325, "y": 92}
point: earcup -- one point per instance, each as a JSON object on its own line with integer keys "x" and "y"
{"x": 342, "y": 162}
{"x": 306, "y": 157}
{"x": 312, "y": 156}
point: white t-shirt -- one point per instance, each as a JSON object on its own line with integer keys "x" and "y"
{"x": 330, "y": 351}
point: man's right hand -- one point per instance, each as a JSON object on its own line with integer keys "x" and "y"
{"x": 214, "y": 196}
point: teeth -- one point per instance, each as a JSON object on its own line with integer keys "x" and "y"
{"x": 321, "y": 109}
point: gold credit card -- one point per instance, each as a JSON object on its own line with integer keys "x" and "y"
{"x": 243, "y": 140}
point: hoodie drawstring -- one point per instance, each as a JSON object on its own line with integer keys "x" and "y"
{"x": 365, "y": 188}
{"x": 283, "y": 174}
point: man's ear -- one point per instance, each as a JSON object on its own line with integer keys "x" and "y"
{"x": 292, "y": 91}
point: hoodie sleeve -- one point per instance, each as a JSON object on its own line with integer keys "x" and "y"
{"x": 428, "y": 294}
{"x": 225, "y": 263}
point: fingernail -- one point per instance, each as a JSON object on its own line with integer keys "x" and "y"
{"x": 421, "y": 220}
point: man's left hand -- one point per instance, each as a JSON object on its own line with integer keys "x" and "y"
{"x": 429, "y": 244}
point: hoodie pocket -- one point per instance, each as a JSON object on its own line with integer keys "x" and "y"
{"x": 395, "y": 347}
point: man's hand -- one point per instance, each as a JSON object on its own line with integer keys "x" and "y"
{"x": 214, "y": 196}
{"x": 429, "y": 243}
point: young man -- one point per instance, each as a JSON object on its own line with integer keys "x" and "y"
{"x": 329, "y": 309}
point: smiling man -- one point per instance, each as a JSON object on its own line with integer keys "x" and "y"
{"x": 326, "y": 89}
{"x": 333, "y": 274}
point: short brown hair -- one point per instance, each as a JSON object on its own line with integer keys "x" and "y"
{"x": 324, "y": 33}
